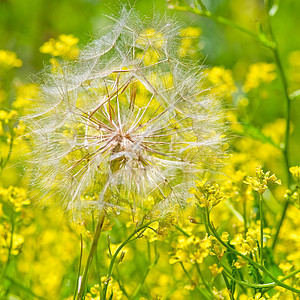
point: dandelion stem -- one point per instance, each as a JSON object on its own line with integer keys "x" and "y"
{"x": 79, "y": 268}
{"x": 91, "y": 255}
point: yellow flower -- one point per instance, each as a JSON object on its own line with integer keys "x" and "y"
{"x": 17, "y": 196}
{"x": 150, "y": 37}
{"x": 9, "y": 60}
{"x": 25, "y": 94}
{"x": 259, "y": 73}
{"x": 191, "y": 249}
{"x": 295, "y": 171}
{"x": 208, "y": 195}
{"x": 188, "y": 42}
{"x": 65, "y": 46}
{"x": 215, "y": 270}
{"x": 262, "y": 180}
{"x": 221, "y": 80}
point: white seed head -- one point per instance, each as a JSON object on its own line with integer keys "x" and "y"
{"x": 126, "y": 126}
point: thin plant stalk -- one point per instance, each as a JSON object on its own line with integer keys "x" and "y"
{"x": 261, "y": 229}
{"x": 114, "y": 257}
{"x": 9, "y": 249}
{"x": 90, "y": 256}
{"x": 203, "y": 292}
{"x": 257, "y": 265}
{"x": 79, "y": 268}
{"x": 273, "y": 46}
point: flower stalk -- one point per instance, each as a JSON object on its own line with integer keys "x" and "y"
{"x": 84, "y": 278}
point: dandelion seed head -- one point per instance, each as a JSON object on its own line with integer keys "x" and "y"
{"x": 126, "y": 126}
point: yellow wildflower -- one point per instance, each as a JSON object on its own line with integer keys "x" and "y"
{"x": 25, "y": 93}
{"x": 150, "y": 37}
{"x": 65, "y": 46}
{"x": 188, "y": 41}
{"x": 113, "y": 289}
{"x": 295, "y": 171}
{"x": 17, "y": 196}
{"x": 191, "y": 249}
{"x": 5, "y": 242}
{"x": 215, "y": 270}
{"x": 9, "y": 60}
{"x": 221, "y": 80}
{"x": 262, "y": 180}
{"x": 258, "y": 296}
{"x": 208, "y": 195}
{"x": 286, "y": 267}
{"x": 259, "y": 73}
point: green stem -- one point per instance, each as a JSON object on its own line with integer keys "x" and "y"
{"x": 8, "y": 155}
{"x": 10, "y": 247}
{"x": 285, "y": 150}
{"x": 182, "y": 231}
{"x": 145, "y": 275}
{"x": 97, "y": 259}
{"x": 225, "y": 21}
{"x": 290, "y": 275}
{"x": 202, "y": 291}
{"x": 90, "y": 256}
{"x": 257, "y": 265}
{"x": 79, "y": 267}
{"x": 24, "y": 288}
{"x": 245, "y": 216}
{"x": 261, "y": 229}
{"x": 249, "y": 284}
{"x": 113, "y": 259}
{"x": 202, "y": 278}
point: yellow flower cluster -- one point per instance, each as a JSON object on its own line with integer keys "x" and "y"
{"x": 191, "y": 249}
{"x": 295, "y": 171}
{"x": 16, "y": 196}
{"x": 113, "y": 290}
{"x": 153, "y": 41}
{"x": 25, "y": 94}
{"x": 261, "y": 181}
{"x": 65, "y": 46}
{"x": 7, "y": 122}
{"x": 292, "y": 194}
{"x": 9, "y": 243}
{"x": 259, "y": 73}
{"x": 221, "y": 81}
{"x": 207, "y": 194}
{"x": 189, "y": 40}
{"x": 9, "y": 60}
{"x": 248, "y": 244}
{"x": 265, "y": 296}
